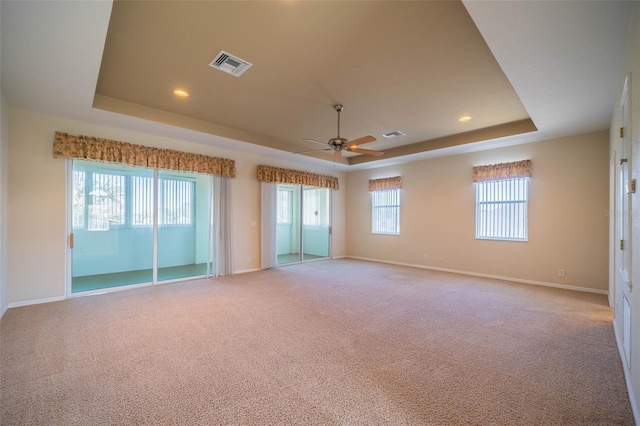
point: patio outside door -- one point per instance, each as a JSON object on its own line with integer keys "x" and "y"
{"x": 315, "y": 222}
{"x": 133, "y": 225}
{"x": 303, "y": 223}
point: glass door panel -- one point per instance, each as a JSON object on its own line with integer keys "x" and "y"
{"x": 303, "y": 223}
{"x": 315, "y": 222}
{"x": 183, "y": 225}
{"x": 288, "y": 224}
{"x": 112, "y": 246}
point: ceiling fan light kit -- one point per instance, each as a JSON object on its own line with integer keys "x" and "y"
{"x": 339, "y": 144}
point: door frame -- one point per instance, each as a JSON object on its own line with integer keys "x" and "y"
{"x": 69, "y": 167}
{"x": 299, "y": 189}
{"x": 621, "y": 245}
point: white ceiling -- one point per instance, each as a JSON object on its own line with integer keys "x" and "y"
{"x": 564, "y": 60}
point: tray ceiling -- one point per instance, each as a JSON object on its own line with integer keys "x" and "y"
{"x": 414, "y": 67}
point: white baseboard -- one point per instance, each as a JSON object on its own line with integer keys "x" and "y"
{"x": 106, "y": 290}
{"x": 4, "y": 310}
{"x": 244, "y": 271}
{"x": 627, "y": 376}
{"x": 339, "y": 257}
{"x": 476, "y": 274}
{"x": 36, "y": 301}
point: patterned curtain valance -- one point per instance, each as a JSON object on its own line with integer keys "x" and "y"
{"x": 385, "y": 183}
{"x": 517, "y": 169}
{"x": 276, "y": 175}
{"x": 90, "y": 148}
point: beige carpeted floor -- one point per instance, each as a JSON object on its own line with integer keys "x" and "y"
{"x": 328, "y": 342}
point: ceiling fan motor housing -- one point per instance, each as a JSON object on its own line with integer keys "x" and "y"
{"x": 338, "y": 144}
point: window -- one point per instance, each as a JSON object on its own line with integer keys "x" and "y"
{"x": 284, "y": 201}
{"x": 385, "y": 211}
{"x": 175, "y": 202}
{"x": 107, "y": 199}
{"x": 316, "y": 207}
{"x": 501, "y": 209}
{"x": 99, "y": 200}
{"x": 78, "y": 198}
{"x": 142, "y": 201}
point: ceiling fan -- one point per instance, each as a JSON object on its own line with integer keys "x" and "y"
{"x": 338, "y": 144}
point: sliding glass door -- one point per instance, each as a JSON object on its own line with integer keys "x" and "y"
{"x": 183, "y": 225}
{"x": 112, "y": 247}
{"x": 315, "y": 223}
{"x": 133, "y": 225}
{"x": 303, "y": 223}
{"x": 288, "y": 224}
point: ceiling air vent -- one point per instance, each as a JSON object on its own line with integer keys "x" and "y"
{"x": 395, "y": 134}
{"x": 230, "y": 64}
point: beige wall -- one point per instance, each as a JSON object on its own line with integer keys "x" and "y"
{"x": 568, "y": 227}
{"x": 37, "y": 188}
{"x": 632, "y": 69}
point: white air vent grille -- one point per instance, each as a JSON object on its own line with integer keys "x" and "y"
{"x": 230, "y": 64}
{"x": 395, "y": 134}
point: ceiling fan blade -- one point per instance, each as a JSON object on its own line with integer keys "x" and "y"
{"x": 314, "y": 141}
{"x": 313, "y": 150}
{"x": 366, "y": 151}
{"x": 360, "y": 141}
{"x": 337, "y": 156}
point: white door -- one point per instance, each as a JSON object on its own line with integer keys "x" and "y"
{"x": 623, "y": 218}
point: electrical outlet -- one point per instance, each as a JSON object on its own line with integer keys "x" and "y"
{"x": 425, "y": 257}
{"x": 248, "y": 259}
{"x": 561, "y": 272}
{"x": 360, "y": 249}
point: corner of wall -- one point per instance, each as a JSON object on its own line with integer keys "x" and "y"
{"x": 4, "y": 149}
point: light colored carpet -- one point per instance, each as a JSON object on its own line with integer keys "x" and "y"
{"x": 327, "y": 342}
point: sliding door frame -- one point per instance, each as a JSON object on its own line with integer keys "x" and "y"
{"x": 300, "y": 190}
{"x": 155, "y": 232}
{"x": 302, "y": 225}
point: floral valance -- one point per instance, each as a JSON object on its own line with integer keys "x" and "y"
{"x": 90, "y": 148}
{"x": 517, "y": 169}
{"x": 277, "y": 175}
{"x": 385, "y": 183}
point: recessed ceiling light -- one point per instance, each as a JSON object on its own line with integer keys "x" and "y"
{"x": 181, "y": 93}
{"x": 465, "y": 118}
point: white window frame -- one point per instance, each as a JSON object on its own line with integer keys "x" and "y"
{"x": 502, "y": 209}
{"x": 385, "y": 202}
